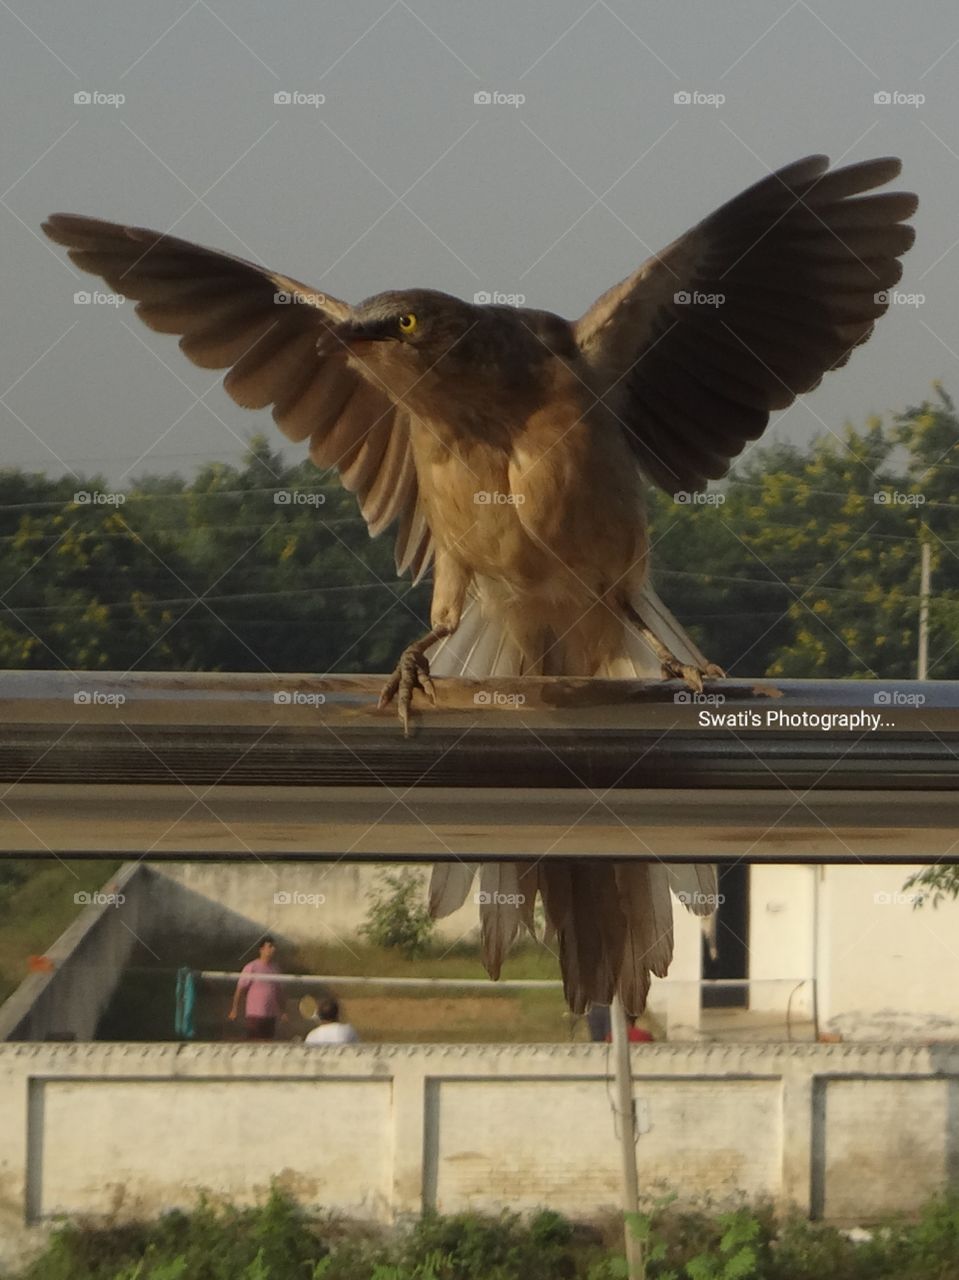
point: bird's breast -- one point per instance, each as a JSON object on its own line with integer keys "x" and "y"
{"x": 560, "y": 504}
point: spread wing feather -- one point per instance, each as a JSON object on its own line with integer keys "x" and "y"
{"x": 273, "y": 334}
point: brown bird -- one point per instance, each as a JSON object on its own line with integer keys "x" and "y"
{"x": 511, "y": 448}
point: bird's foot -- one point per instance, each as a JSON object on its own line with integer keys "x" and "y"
{"x": 691, "y": 673}
{"x": 412, "y": 673}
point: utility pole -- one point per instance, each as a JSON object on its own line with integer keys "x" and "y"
{"x": 925, "y": 577}
{"x": 626, "y": 1114}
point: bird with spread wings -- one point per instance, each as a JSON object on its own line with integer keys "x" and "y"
{"x": 510, "y": 448}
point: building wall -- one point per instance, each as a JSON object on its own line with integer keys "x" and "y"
{"x": 847, "y": 1133}
{"x": 781, "y": 909}
{"x": 893, "y": 969}
{"x": 884, "y": 969}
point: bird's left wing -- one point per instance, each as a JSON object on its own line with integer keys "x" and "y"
{"x": 275, "y": 335}
{"x": 744, "y": 312}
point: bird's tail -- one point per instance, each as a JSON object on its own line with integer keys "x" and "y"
{"x": 613, "y": 921}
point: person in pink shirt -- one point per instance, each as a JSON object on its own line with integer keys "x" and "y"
{"x": 264, "y": 1000}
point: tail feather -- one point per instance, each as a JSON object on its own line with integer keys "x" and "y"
{"x": 500, "y": 919}
{"x": 450, "y": 882}
{"x": 612, "y": 921}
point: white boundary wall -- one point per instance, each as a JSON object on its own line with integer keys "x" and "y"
{"x": 843, "y": 1132}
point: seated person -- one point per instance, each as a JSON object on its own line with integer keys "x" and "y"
{"x": 331, "y": 1030}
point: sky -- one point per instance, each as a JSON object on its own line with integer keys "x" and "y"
{"x": 384, "y": 171}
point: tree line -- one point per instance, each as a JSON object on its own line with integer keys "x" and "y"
{"x": 804, "y": 563}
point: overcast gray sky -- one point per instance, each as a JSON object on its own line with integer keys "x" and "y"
{"x": 399, "y": 178}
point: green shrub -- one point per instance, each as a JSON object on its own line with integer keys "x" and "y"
{"x": 398, "y": 917}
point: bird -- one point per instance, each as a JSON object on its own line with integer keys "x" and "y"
{"x": 512, "y": 449}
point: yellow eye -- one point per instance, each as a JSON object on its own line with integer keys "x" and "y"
{"x": 407, "y": 323}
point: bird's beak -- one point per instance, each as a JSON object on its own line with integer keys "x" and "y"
{"x": 358, "y": 336}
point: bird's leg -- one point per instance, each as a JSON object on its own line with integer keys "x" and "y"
{"x": 673, "y": 668}
{"x": 450, "y": 580}
{"x": 412, "y": 672}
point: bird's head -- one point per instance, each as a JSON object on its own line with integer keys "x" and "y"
{"x": 400, "y": 338}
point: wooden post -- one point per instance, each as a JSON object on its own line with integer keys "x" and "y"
{"x": 626, "y": 1115}
{"x": 925, "y": 577}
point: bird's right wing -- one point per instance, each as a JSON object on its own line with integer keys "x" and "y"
{"x": 744, "y": 312}
{"x": 274, "y": 335}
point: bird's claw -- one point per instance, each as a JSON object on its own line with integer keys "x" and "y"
{"x": 412, "y": 672}
{"x": 691, "y": 674}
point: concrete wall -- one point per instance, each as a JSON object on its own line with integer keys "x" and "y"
{"x": 302, "y": 901}
{"x": 847, "y": 1133}
{"x": 139, "y": 904}
{"x": 87, "y": 960}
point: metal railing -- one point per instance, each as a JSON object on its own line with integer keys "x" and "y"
{"x": 234, "y": 766}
